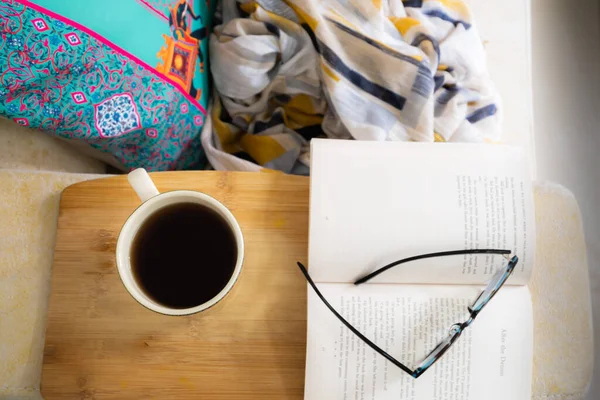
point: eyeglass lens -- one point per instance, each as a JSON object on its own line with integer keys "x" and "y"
{"x": 441, "y": 348}
{"x": 495, "y": 283}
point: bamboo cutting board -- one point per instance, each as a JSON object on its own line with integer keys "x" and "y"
{"x": 102, "y": 344}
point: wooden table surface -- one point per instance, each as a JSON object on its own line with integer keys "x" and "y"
{"x": 101, "y": 344}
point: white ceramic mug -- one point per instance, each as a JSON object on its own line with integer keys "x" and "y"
{"x": 152, "y": 201}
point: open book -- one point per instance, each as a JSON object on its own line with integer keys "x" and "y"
{"x": 373, "y": 203}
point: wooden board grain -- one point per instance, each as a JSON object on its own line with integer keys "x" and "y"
{"x": 101, "y": 344}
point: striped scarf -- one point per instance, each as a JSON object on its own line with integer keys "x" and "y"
{"x": 288, "y": 71}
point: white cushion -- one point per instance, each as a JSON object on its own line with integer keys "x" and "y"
{"x": 28, "y": 149}
{"x": 560, "y": 288}
{"x": 563, "y": 346}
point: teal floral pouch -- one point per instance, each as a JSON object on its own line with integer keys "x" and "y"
{"x": 128, "y": 78}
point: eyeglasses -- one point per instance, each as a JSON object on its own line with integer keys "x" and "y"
{"x": 456, "y": 330}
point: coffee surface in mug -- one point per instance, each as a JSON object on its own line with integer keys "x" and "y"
{"x": 183, "y": 255}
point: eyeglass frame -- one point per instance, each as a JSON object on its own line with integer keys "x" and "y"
{"x": 455, "y": 329}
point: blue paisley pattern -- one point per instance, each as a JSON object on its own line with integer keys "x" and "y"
{"x": 66, "y": 82}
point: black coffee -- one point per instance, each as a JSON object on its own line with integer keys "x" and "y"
{"x": 183, "y": 255}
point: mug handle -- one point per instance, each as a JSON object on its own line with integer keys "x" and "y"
{"x": 141, "y": 182}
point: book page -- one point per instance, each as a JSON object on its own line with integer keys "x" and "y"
{"x": 491, "y": 360}
{"x": 373, "y": 203}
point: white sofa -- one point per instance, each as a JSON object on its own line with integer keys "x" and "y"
{"x": 34, "y": 169}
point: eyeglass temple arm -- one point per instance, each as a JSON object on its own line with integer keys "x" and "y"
{"x": 430, "y": 255}
{"x": 349, "y": 326}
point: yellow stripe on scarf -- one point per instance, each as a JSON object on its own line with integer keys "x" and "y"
{"x": 377, "y": 4}
{"x": 336, "y": 16}
{"x": 303, "y": 16}
{"x": 227, "y": 137}
{"x": 249, "y": 7}
{"x": 329, "y": 72}
{"x": 438, "y": 138}
{"x": 300, "y": 112}
{"x": 262, "y": 148}
{"x": 281, "y": 22}
{"x": 404, "y": 24}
